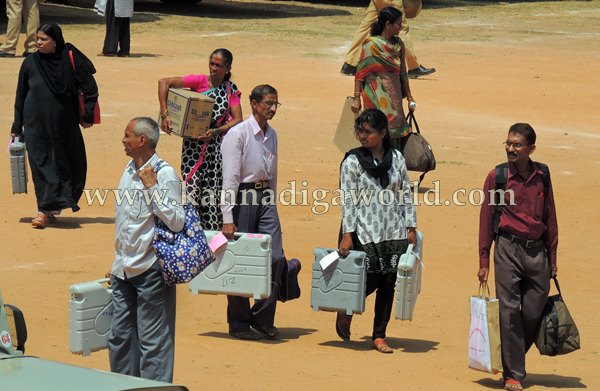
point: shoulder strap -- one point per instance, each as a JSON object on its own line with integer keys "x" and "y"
{"x": 72, "y": 60}
{"x": 198, "y": 164}
{"x": 501, "y": 178}
{"x": 546, "y": 182}
{"x": 223, "y": 117}
{"x": 159, "y": 165}
{"x": 545, "y": 175}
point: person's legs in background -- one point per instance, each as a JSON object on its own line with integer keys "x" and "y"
{"x": 14, "y": 9}
{"x": 111, "y": 38}
{"x": 124, "y": 31}
{"x": 31, "y": 14}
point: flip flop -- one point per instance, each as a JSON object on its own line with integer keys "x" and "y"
{"x": 39, "y": 221}
{"x": 512, "y": 385}
{"x": 381, "y": 346}
{"x": 342, "y": 325}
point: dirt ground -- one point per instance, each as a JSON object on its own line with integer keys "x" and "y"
{"x": 536, "y": 62}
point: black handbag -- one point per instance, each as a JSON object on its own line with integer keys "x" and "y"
{"x": 289, "y": 289}
{"x": 557, "y": 333}
{"x": 417, "y": 152}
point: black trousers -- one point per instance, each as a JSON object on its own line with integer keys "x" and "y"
{"x": 118, "y": 32}
{"x": 385, "y": 285}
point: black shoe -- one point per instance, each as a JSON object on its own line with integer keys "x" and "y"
{"x": 348, "y": 70}
{"x": 420, "y": 71}
{"x": 6, "y": 55}
{"x": 269, "y": 332}
{"x": 249, "y": 335}
{"x": 122, "y": 54}
{"x": 342, "y": 325}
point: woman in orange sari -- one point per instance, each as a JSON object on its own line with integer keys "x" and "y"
{"x": 381, "y": 77}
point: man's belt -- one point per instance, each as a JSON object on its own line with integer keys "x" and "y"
{"x": 254, "y": 185}
{"x": 527, "y": 243}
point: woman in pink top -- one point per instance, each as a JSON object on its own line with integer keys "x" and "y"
{"x": 201, "y": 162}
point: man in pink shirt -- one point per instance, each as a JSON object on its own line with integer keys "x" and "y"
{"x": 525, "y": 231}
{"x": 250, "y": 163}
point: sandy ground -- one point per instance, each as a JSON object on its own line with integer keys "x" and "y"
{"x": 497, "y": 64}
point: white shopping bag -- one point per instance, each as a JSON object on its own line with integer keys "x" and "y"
{"x": 484, "y": 332}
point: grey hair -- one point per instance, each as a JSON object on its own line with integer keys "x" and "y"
{"x": 148, "y": 127}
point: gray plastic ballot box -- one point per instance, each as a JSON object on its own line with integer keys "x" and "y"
{"x": 18, "y": 166}
{"x": 90, "y": 315}
{"x": 341, "y": 286}
{"x": 242, "y": 268}
{"x": 408, "y": 279}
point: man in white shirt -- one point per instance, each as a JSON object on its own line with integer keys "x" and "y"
{"x": 141, "y": 341}
{"x": 250, "y": 163}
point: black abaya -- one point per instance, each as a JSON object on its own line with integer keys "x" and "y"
{"x": 55, "y": 146}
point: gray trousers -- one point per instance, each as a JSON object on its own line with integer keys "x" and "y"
{"x": 142, "y": 335}
{"x": 257, "y": 218}
{"x": 522, "y": 286}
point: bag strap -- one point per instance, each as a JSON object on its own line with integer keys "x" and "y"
{"x": 410, "y": 117}
{"x": 223, "y": 117}
{"x": 72, "y": 60}
{"x": 483, "y": 289}
{"x": 557, "y": 285}
{"x": 195, "y": 168}
{"x": 500, "y": 184}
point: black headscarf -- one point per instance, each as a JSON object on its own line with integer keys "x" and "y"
{"x": 378, "y": 171}
{"x": 55, "y": 68}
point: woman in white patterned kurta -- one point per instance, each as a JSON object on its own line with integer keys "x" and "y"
{"x": 378, "y": 216}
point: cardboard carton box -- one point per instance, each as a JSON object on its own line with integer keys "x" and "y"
{"x": 190, "y": 112}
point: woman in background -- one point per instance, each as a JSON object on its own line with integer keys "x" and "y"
{"x": 47, "y": 117}
{"x": 381, "y": 77}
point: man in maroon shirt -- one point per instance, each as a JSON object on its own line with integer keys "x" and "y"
{"x": 526, "y": 238}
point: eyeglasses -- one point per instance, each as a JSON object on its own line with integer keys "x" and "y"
{"x": 508, "y": 144}
{"x": 270, "y": 105}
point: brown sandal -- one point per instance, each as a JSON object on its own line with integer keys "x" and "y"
{"x": 39, "y": 221}
{"x": 381, "y": 346}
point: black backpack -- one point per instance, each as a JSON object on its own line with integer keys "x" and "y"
{"x": 502, "y": 177}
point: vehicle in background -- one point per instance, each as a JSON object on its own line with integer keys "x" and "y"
{"x": 20, "y": 372}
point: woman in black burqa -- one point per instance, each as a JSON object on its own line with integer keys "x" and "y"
{"x": 47, "y": 117}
